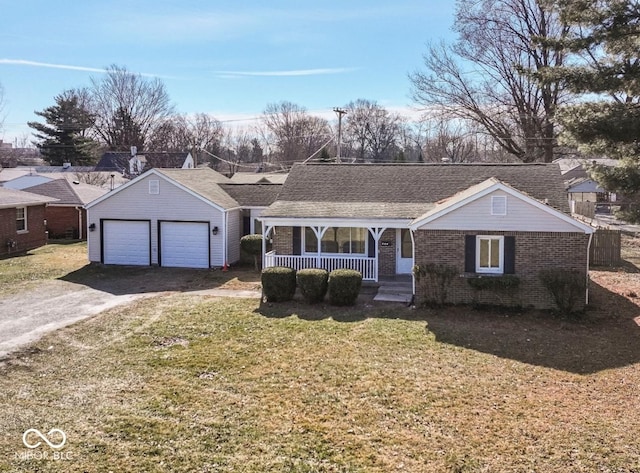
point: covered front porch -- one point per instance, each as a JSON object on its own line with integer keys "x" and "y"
{"x": 372, "y": 249}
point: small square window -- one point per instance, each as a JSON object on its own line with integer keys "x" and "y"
{"x": 499, "y": 205}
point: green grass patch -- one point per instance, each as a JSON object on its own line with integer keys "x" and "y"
{"x": 186, "y": 383}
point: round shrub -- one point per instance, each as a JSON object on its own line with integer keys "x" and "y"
{"x": 278, "y": 283}
{"x": 252, "y": 245}
{"x": 344, "y": 286}
{"x": 313, "y": 284}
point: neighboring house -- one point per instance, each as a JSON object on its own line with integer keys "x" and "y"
{"x": 25, "y": 181}
{"x": 172, "y": 217}
{"x": 126, "y": 163}
{"x": 22, "y": 221}
{"x": 66, "y": 217}
{"x": 481, "y": 219}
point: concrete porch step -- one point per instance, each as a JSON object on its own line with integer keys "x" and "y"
{"x": 403, "y": 298}
{"x": 395, "y": 290}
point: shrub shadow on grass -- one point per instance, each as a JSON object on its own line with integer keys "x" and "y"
{"x": 121, "y": 280}
{"x": 607, "y": 337}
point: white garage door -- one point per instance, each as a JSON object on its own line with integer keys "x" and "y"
{"x": 126, "y": 242}
{"x": 184, "y": 244}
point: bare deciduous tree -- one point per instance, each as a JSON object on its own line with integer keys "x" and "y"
{"x": 502, "y": 41}
{"x": 128, "y": 108}
{"x": 371, "y": 132}
{"x": 295, "y": 134}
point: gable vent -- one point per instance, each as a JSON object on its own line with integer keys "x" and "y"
{"x": 499, "y": 205}
{"x": 154, "y": 186}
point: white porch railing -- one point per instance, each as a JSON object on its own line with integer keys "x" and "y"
{"x": 367, "y": 266}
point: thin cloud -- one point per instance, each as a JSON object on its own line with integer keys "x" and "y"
{"x": 293, "y": 73}
{"x": 25, "y": 62}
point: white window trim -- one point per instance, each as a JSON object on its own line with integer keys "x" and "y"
{"x": 500, "y": 268}
{"x": 304, "y": 251}
{"x": 26, "y": 220}
{"x": 494, "y": 200}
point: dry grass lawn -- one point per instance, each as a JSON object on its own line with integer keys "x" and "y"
{"x": 196, "y": 384}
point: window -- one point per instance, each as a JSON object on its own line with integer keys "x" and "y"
{"x": 340, "y": 240}
{"x": 21, "y": 219}
{"x": 499, "y": 205}
{"x": 489, "y": 254}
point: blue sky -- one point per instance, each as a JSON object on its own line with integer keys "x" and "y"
{"x": 227, "y": 58}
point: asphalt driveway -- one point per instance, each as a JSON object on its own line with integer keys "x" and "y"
{"x": 53, "y": 304}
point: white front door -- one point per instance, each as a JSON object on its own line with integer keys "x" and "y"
{"x": 404, "y": 251}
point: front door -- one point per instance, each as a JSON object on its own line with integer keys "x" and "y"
{"x": 404, "y": 251}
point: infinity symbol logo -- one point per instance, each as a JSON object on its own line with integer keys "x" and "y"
{"x": 39, "y": 434}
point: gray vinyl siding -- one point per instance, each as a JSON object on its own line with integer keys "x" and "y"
{"x": 171, "y": 203}
{"x": 234, "y": 226}
{"x": 521, "y": 216}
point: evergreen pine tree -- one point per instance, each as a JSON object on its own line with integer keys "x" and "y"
{"x": 606, "y": 74}
{"x": 64, "y": 134}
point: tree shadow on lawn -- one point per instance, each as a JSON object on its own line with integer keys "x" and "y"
{"x": 608, "y": 336}
{"x": 120, "y": 280}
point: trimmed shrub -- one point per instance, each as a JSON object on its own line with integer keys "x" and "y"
{"x": 344, "y": 286}
{"x": 313, "y": 284}
{"x": 278, "y": 283}
{"x": 252, "y": 245}
{"x": 567, "y": 288}
{"x": 435, "y": 280}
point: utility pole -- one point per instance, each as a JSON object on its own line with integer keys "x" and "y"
{"x": 340, "y": 112}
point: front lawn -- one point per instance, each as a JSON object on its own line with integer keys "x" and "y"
{"x": 190, "y": 383}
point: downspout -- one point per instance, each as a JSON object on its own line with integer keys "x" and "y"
{"x": 79, "y": 209}
{"x": 225, "y": 222}
{"x": 413, "y": 257}
{"x": 586, "y": 292}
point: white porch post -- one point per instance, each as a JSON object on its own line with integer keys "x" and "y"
{"x": 376, "y": 233}
{"x": 266, "y": 229}
{"x": 319, "y": 232}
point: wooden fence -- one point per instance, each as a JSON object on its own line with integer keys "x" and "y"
{"x": 605, "y": 248}
{"x": 588, "y": 209}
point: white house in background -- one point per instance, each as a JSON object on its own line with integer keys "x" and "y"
{"x": 190, "y": 218}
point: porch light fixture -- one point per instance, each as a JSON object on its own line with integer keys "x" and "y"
{"x": 214, "y": 230}
{"x": 92, "y": 227}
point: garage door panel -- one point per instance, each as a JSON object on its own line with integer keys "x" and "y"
{"x": 184, "y": 244}
{"x": 126, "y": 242}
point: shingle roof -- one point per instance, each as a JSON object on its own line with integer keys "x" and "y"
{"x": 259, "y": 178}
{"x": 14, "y": 198}
{"x": 402, "y": 190}
{"x": 253, "y": 195}
{"x": 204, "y": 182}
{"x": 67, "y": 193}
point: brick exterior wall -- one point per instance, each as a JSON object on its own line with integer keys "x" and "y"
{"x": 64, "y": 221}
{"x": 387, "y": 254}
{"x": 34, "y": 237}
{"x": 283, "y": 240}
{"x": 534, "y": 251}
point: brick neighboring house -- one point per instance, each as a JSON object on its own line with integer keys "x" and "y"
{"x": 484, "y": 220}
{"x": 67, "y": 217}
{"x": 22, "y": 216}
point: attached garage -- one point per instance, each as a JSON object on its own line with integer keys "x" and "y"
{"x": 126, "y": 242}
{"x": 184, "y": 244}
